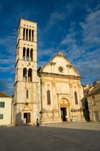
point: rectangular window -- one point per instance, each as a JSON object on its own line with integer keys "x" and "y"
{"x": 76, "y": 100}
{"x": 2, "y": 104}
{"x": 48, "y": 97}
{"x": 26, "y": 93}
{"x": 1, "y": 116}
{"x": 93, "y": 100}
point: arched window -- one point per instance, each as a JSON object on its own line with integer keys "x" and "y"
{"x": 76, "y": 100}
{"x": 48, "y": 97}
{"x": 23, "y": 53}
{"x": 29, "y": 35}
{"x": 31, "y": 54}
{"x": 28, "y": 54}
{"x": 24, "y": 74}
{"x": 24, "y": 33}
{"x": 93, "y": 99}
{"x": 30, "y": 75}
{"x": 32, "y": 35}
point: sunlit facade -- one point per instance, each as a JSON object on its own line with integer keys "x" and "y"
{"x": 53, "y": 93}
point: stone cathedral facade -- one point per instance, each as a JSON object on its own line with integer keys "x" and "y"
{"x": 53, "y": 93}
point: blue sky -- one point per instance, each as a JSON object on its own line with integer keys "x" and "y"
{"x": 70, "y": 26}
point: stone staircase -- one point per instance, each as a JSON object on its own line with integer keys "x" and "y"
{"x": 78, "y": 119}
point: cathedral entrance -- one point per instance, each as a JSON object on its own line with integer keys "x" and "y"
{"x": 64, "y": 108}
{"x": 63, "y": 114}
{"x": 27, "y": 117}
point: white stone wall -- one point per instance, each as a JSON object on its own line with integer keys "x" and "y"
{"x": 6, "y": 111}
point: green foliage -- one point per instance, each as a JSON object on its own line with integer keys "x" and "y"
{"x": 86, "y": 100}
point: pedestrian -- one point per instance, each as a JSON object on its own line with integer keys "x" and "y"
{"x": 37, "y": 123}
{"x": 62, "y": 117}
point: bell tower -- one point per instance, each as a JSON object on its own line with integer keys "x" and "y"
{"x": 25, "y": 102}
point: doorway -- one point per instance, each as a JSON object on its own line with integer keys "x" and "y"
{"x": 27, "y": 117}
{"x": 63, "y": 114}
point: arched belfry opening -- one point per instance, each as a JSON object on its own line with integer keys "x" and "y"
{"x": 23, "y": 53}
{"x": 31, "y": 54}
{"x": 29, "y": 34}
{"x": 24, "y": 33}
{"x": 32, "y": 35}
{"x": 30, "y": 75}
{"x": 27, "y": 53}
{"x": 24, "y": 74}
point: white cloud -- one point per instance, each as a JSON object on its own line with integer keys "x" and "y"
{"x": 7, "y": 63}
{"x": 41, "y": 63}
{"x": 91, "y": 29}
{"x": 69, "y": 39}
{"x": 98, "y": 7}
{"x": 9, "y": 42}
{"x": 89, "y": 66}
{"x": 9, "y": 69}
{"x": 46, "y": 53}
{"x": 7, "y": 53}
{"x": 69, "y": 8}
{"x": 7, "y": 60}
{"x": 55, "y": 16}
{"x": 85, "y": 61}
{"x": 73, "y": 49}
{"x": 7, "y": 86}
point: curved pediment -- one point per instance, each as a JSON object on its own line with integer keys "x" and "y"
{"x": 59, "y": 64}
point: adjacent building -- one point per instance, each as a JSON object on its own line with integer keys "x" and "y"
{"x": 5, "y": 109}
{"x": 94, "y": 103}
{"x": 86, "y": 89}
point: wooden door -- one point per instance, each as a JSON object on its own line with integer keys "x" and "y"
{"x": 28, "y": 118}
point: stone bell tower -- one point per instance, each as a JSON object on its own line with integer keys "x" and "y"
{"x": 26, "y": 96}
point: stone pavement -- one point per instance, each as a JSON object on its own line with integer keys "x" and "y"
{"x": 76, "y": 125}
{"x": 54, "y": 137}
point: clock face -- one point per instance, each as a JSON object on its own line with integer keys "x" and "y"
{"x": 60, "y": 69}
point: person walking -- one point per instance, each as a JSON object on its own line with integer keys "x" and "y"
{"x": 37, "y": 123}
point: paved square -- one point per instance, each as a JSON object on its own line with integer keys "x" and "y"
{"x": 58, "y": 137}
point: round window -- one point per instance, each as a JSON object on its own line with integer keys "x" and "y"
{"x": 60, "y": 69}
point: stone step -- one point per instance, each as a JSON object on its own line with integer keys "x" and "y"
{"x": 78, "y": 119}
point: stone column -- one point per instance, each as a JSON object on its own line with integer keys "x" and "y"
{"x": 28, "y": 35}
{"x": 32, "y": 55}
{"x": 27, "y": 75}
{"x": 29, "y": 54}
{"x": 31, "y": 35}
